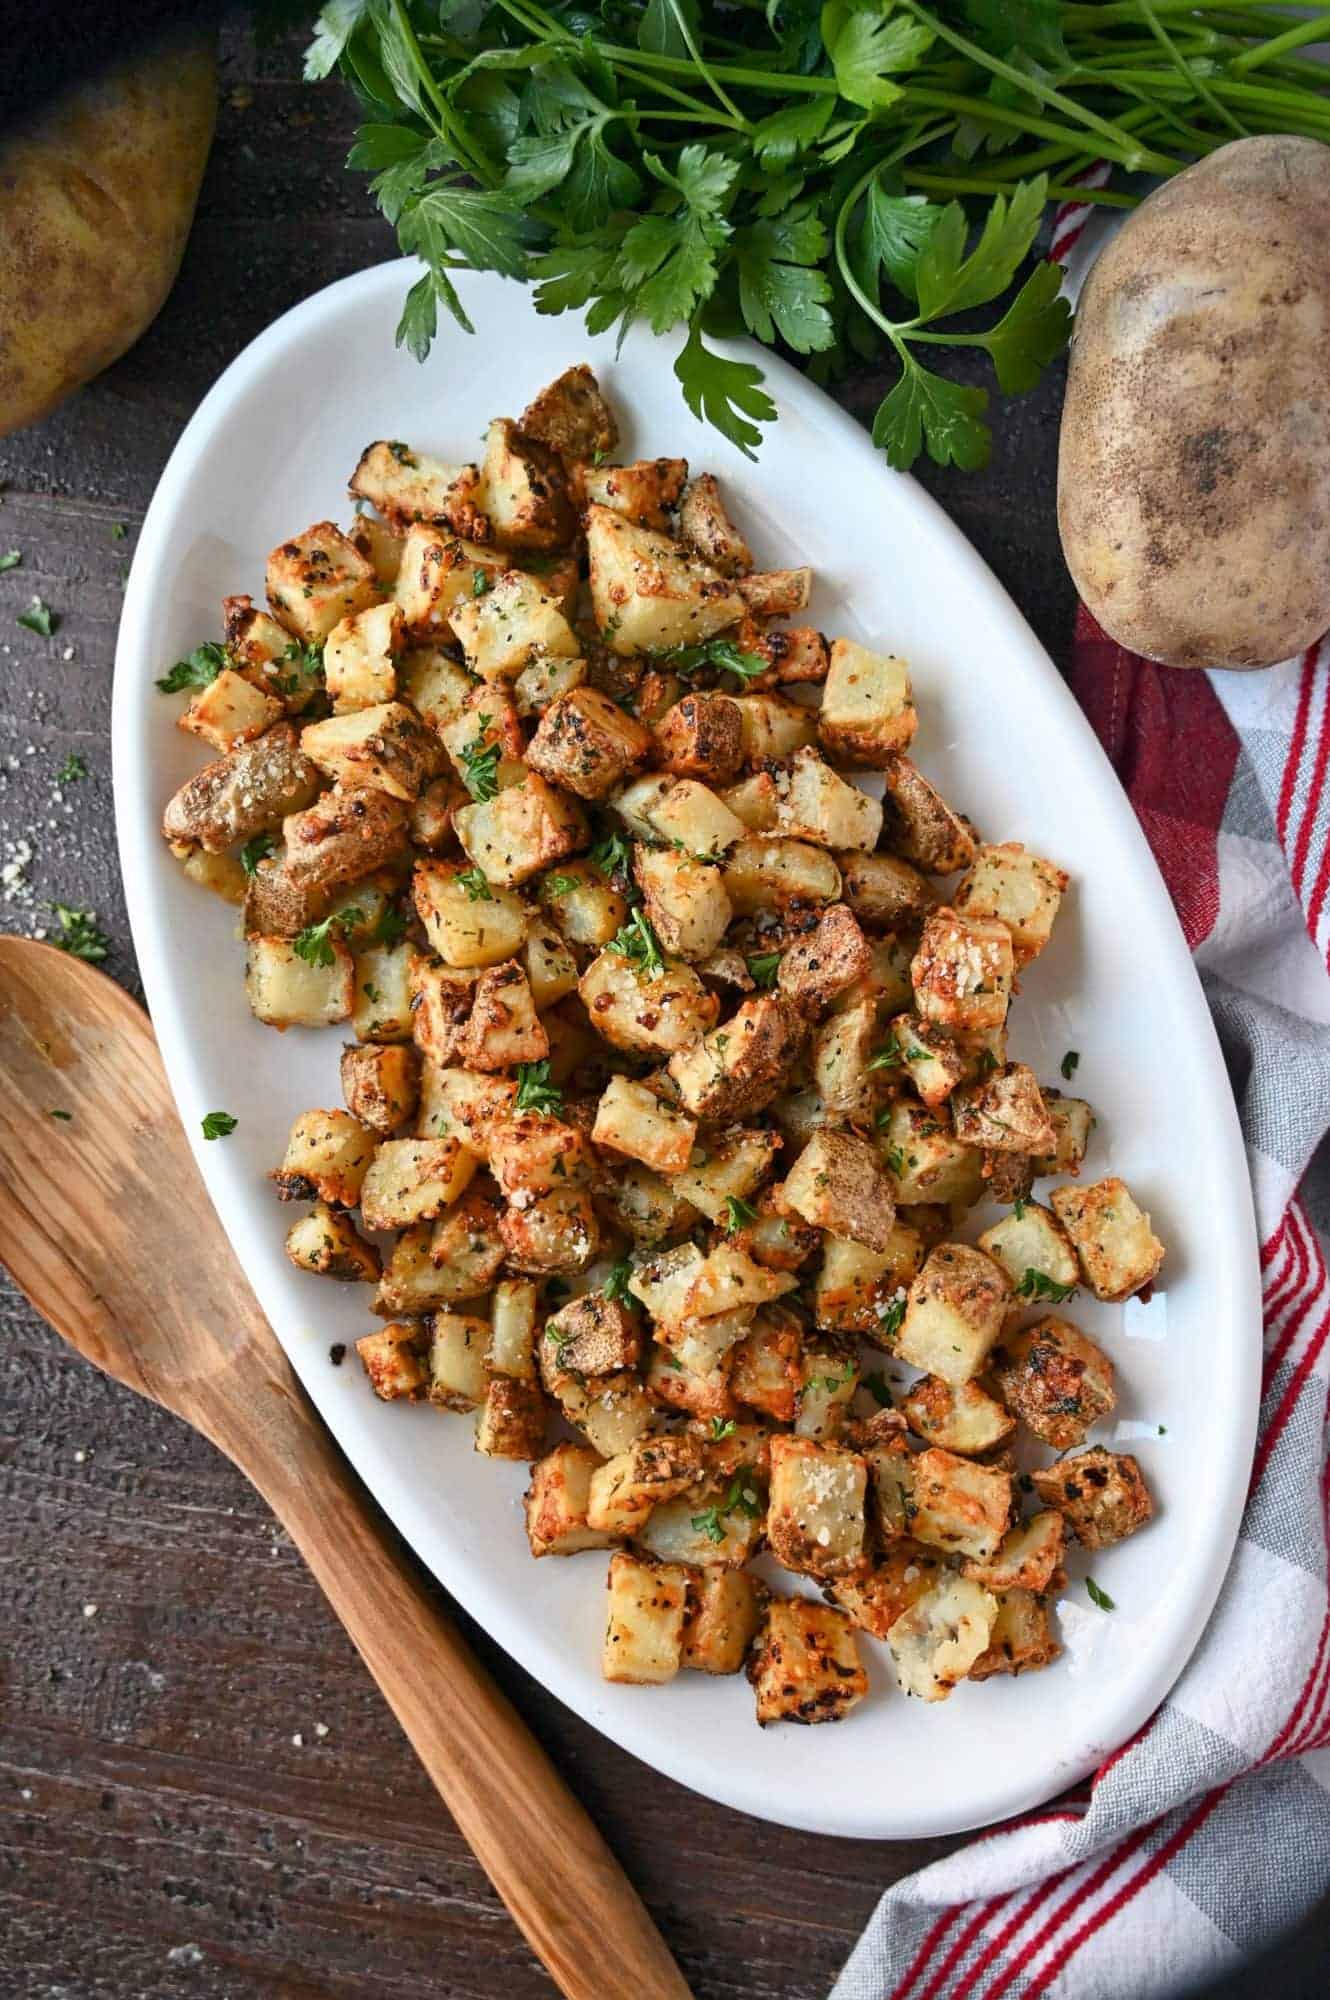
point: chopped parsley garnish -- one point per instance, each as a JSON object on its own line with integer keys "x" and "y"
{"x": 118, "y": 531}
{"x": 535, "y": 1092}
{"x": 80, "y": 935}
{"x": 613, "y": 855}
{"x": 39, "y": 618}
{"x": 887, "y": 1056}
{"x": 876, "y": 1385}
{"x": 218, "y": 1124}
{"x": 833, "y": 1382}
{"x": 723, "y": 654}
{"x": 71, "y": 770}
{"x": 721, "y": 1427}
{"x": 1038, "y": 1285}
{"x": 638, "y": 943}
{"x": 480, "y": 765}
{"x": 10, "y": 559}
{"x": 1018, "y": 1207}
{"x": 480, "y": 582}
{"x": 307, "y": 661}
{"x": 559, "y": 885}
{"x": 740, "y": 1497}
{"x": 1070, "y": 1064}
{"x": 889, "y": 1319}
{"x": 255, "y": 850}
{"x": 66, "y": 1117}
{"x": 616, "y": 1284}
{"x": 1098, "y": 1596}
{"x": 390, "y": 929}
{"x": 896, "y": 1160}
{"x": 477, "y": 888}
{"x": 763, "y": 967}
{"x": 314, "y": 944}
{"x": 739, "y": 1212}
{"x": 198, "y": 669}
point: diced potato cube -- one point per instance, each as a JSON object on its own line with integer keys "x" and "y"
{"x": 393, "y": 1362}
{"x": 826, "y": 963}
{"x": 724, "y": 1610}
{"x": 1032, "y": 1240}
{"x": 959, "y": 1506}
{"x": 645, "y": 492}
{"x": 359, "y": 658}
{"x": 1056, "y": 1380}
{"x": 776, "y": 593}
{"x": 382, "y": 1009}
{"x": 868, "y": 711}
{"x": 462, "y": 930}
{"x": 644, "y": 1627}
{"x": 874, "y": 1598}
{"x": 831, "y": 1376}
{"x": 558, "y": 1231}
{"x": 590, "y": 1336}
{"x": 707, "y": 528}
{"x": 647, "y": 592}
{"x": 727, "y": 1281}
{"x": 587, "y": 743}
{"x": 962, "y": 972}
{"x": 610, "y": 1412}
{"x": 1029, "y": 1557}
{"x": 512, "y": 1419}
{"x": 1072, "y": 1121}
{"x": 412, "y": 1282}
{"x": 813, "y": 803}
{"x": 843, "y": 1052}
{"x": 663, "y": 1282}
{"x": 1020, "y": 1641}
{"x": 647, "y": 1013}
{"x": 649, "y": 1209}
{"x": 927, "y": 1162}
{"x": 654, "y": 1469}
{"x": 737, "y": 1069}
{"x": 933, "y": 1062}
{"x": 326, "y": 1243}
{"x": 230, "y": 710}
{"x": 921, "y": 826}
{"x": 1009, "y": 883}
{"x": 386, "y": 747}
{"x": 685, "y": 900}
{"x": 690, "y": 815}
{"x": 380, "y": 546}
{"x": 504, "y": 1028}
{"x": 1118, "y": 1250}
{"x": 1003, "y": 1112}
{"x": 465, "y": 1246}
{"x": 631, "y": 1119}
{"x": 523, "y": 490}
{"x": 413, "y": 1180}
{"x": 407, "y": 485}
{"x": 711, "y": 1527}
{"x": 954, "y": 1313}
{"x": 815, "y": 1517}
{"x": 532, "y": 1153}
{"x": 461, "y": 1104}
{"x": 381, "y": 1085}
{"x": 1100, "y": 1495}
{"x": 512, "y": 1348}
{"x": 883, "y": 891}
{"x": 587, "y": 908}
{"x": 510, "y": 624}
{"x": 327, "y": 1157}
{"x": 556, "y": 1503}
{"x": 222, "y": 874}
{"x": 437, "y": 572}
{"x": 318, "y": 579}
{"x": 542, "y": 682}
{"x": 753, "y": 802}
{"x": 806, "y": 1665}
{"x": 524, "y": 828}
{"x": 730, "y": 1166}
{"x": 287, "y": 992}
{"x": 458, "y": 1342}
{"x": 695, "y": 1394}
{"x": 635, "y": 802}
{"x": 265, "y": 653}
{"x": 437, "y": 686}
{"x": 761, "y": 875}
{"x": 936, "y": 1642}
{"x": 701, "y": 737}
{"x": 766, "y": 1371}
{"x": 857, "y": 1290}
{"x": 959, "y": 1417}
{"x": 244, "y": 793}
{"x": 773, "y": 726}
{"x": 571, "y": 416}
{"x": 343, "y": 837}
{"x": 838, "y": 1184}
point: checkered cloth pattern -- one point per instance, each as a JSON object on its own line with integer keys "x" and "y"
{"x": 1209, "y": 1832}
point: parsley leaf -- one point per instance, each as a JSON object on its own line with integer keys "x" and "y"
{"x": 638, "y": 943}
{"x": 80, "y": 935}
{"x": 1018, "y": 1208}
{"x": 781, "y": 290}
{"x": 739, "y": 1214}
{"x": 390, "y": 929}
{"x": 868, "y": 47}
{"x": 314, "y": 944}
{"x": 256, "y": 850}
{"x": 66, "y": 1117}
{"x": 555, "y": 886}
{"x": 928, "y": 409}
{"x": 892, "y": 233}
{"x": 1069, "y": 1065}
{"x": 1098, "y": 1596}
{"x": 616, "y": 1284}
{"x": 876, "y": 1385}
{"x": 613, "y": 855}
{"x": 763, "y": 967}
{"x": 218, "y": 1124}
{"x": 888, "y": 1056}
{"x": 889, "y": 1319}
{"x": 535, "y": 1092}
{"x": 722, "y": 1427}
{"x": 198, "y": 669}
{"x": 480, "y": 765}
{"x": 1038, "y": 1285}
{"x": 723, "y": 654}
{"x": 39, "y": 618}
{"x": 71, "y": 770}
{"x": 477, "y": 888}
{"x": 740, "y": 1498}
{"x": 10, "y": 559}
{"x": 726, "y": 393}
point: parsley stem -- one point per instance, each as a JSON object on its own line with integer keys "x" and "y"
{"x": 1314, "y": 30}
{"x": 1195, "y": 82}
{"x": 474, "y": 162}
{"x": 1122, "y": 152}
{"x": 681, "y": 23}
{"x": 929, "y": 183}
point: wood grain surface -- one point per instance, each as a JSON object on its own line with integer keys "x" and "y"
{"x": 201, "y": 1792}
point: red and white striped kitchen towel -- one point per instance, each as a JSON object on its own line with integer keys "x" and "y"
{"x": 1209, "y": 1832}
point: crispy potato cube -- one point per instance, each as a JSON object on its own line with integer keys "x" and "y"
{"x": 830, "y": 1378}
{"x": 1006, "y": 1176}
{"x": 509, "y": 625}
{"x": 413, "y": 1180}
{"x": 465, "y": 931}
{"x": 585, "y": 906}
{"x": 1003, "y": 1112}
{"x": 591, "y": 1335}
{"x": 344, "y": 836}
{"x": 504, "y": 1028}
{"x": 959, "y": 1506}
{"x": 1017, "y": 887}
{"x": 512, "y": 1419}
{"x": 523, "y": 490}
{"x": 647, "y": 1013}
{"x": 286, "y": 992}
{"x": 921, "y": 826}
{"x": 1112, "y": 1237}
{"x": 766, "y": 1369}
{"x": 962, "y": 972}
{"x": 823, "y": 965}
{"x": 1100, "y": 1495}
{"x": 1056, "y": 1380}
{"x": 936, "y": 1642}
{"x": 512, "y": 1348}
{"x": 327, "y": 1157}
{"x": 571, "y": 416}
{"x": 544, "y": 681}
{"x": 534, "y": 1154}
{"x": 703, "y": 1345}
{"x": 728, "y": 1281}
{"x": 776, "y": 593}
{"x": 458, "y": 1342}
{"x": 610, "y": 1412}
{"x": 1020, "y": 1641}
{"x": 381, "y": 1085}
{"x": 883, "y": 891}
{"x": 326, "y": 1243}
{"x": 556, "y": 1503}
{"x": 465, "y": 1245}
{"x": 246, "y": 792}
{"x": 440, "y": 1000}
{"x": 927, "y": 1163}
{"x": 874, "y": 1598}
{"x": 724, "y": 1610}
{"x": 646, "y": 491}
{"x": 796, "y": 655}
{"x": 707, "y": 529}
{"x": 700, "y": 737}
{"x": 737, "y": 1069}
{"x": 1072, "y": 1121}
{"x": 558, "y": 1231}
{"x": 411, "y": 1282}
{"x": 685, "y": 900}
{"x": 631, "y": 1119}
{"x": 954, "y": 1313}
{"x": 382, "y": 1009}
{"x": 663, "y": 1282}
{"x": 393, "y": 1362}
{"x": 551, "y": 969}
{"x": 805, "y": 1666}
{"x": 654, "y": 1469}
{"x": 635, "y": 802}
{"x": 731, "y": 1165}
{"x": 318, "y": 579}
{"x": 230, "y": 710}
{"x": 437, "y": 686}
{"x": 648, "y": 593}
{"x": 868, "y": 713}
{"x": 716, "y": 1526}
{"x": 386, "y": 747}
{"x": 266, "y": 654}
{"x": 781, "y": 1242}
{"x": 359, "y": 658}
{"x": 438, "y": 572}
{"x": 815, "y": 1516}
{"x": 813, "y": 803}
{"x": 959, "y": 1417}
{"x": 773, "y": 726}
{"x": 587, "y": 743}
{"x": 1033, "y": 1241}
{"x": 221, "y": 874}
{"x": 882, "y": 1441}
{"x": 461, "y": 1104}
{"x": 647, "y": 1208}
{"x": 838, "y": 1184}
{"x": 381, "y": 547}
{"x": 752, "y": 802}
{"x": 761, "y": 875}
{"x": 843, "y": 1051}
{"x": 927, "y": 1055}
{"x": 1028, "y": 1558}
{"x": 675, "y": 1387}
{"x": 644, "y": 1627}
{"x": 407, "y": 485}
{"x": 856, "y": 1288}
{"x": 691, "y": 817}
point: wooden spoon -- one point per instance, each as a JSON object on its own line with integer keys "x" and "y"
{"x": 106, "y": 1226}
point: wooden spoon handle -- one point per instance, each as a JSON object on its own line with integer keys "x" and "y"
{"x": 562, "y": 1885}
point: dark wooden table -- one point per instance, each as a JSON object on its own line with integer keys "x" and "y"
{"x": 201, "y": 1791}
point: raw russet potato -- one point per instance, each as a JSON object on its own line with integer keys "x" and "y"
{"x": 1194, "y": 471}
{"x": 96, "y": 199}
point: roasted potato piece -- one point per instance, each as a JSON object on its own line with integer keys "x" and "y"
{"x": 874, "y": 1598}
{"x": 460, "y": 1104}
{"x": 342, "y": 837}
{"x": 583, "y": 903}
{"x": 512, "y": 1419}
{"x": 591, "y": 1335}
{"x": 1017, "y": 887}
{"x": 248, "y": 791}
{"x": 723, "y": 1614}
{"x": 830, "y": 1378}
{"x": 327, "y": 1243}
{"x": 838, "y": 1184}
{"x": 230, "y": 710}
{"x": 708, "y": 530}
{"x": 934, "y": 1063}
{"x": 962, "y": 972}
{"x": 556, "y": 1503}
{"x": 1056, "y": 1380}
{"x": 921, "y": 826}
{"x": 761, "y": 875}
{"x": 883, "y": 891}
{"x": 381, "y": 1085}
{"x": 954, "y": 1313}
{"x": 644, "y": 1625}
{"x": 647, "y": 1013}
{"x": 862, "y": 1291}
{"x": 776, "y": 593}
{"x": 1118, "y": 1251}
{"x": 414, "y": 1180}
{"x": 685, "y": 900}
{"x": 465, "y": 1246}
{"x": 868, "y": 713}
{"x": 927, "y": 1162}
{"x": 524, "y": 491}
{"x": 653, "y": 1469}
{"x": 504, "y": 1028}
{"x": 558, "y": 1231}
{"x": 287, "y": 991}
{"x": 726, "y": 1168}
{"x": 691, "y": 817}
{"x": 936, "y": 1642}
{"x": 646, "y": 491}
{"x": 1032, "y": 1245}
{"x": 631, "y": 1119}
{"x": 1100, "y": 1495}
{"x": 407, "y": 485}
{"x": 318, "y": 579}
{"x": 457, "y": 1347}
{"x": 438, "y": 571}
{"x": 700, "y": 737}
{"x": 360, "y": 656}
{"x": 610, "y": 1412}
{"x": 1020, "y": 1641}
{"x": 647, "y": 592}
{"x": 381, "y": 547}
{"x": 588, "y": 744}
{"x": 957, "y": 1505}
{"x": 571, "y": 416}
{"x": 766, "y": 1367}
{"x": 266, "y": 654}
{"x": 960, "y": 1417}
{"x": 532, "y": 1153}
{"x": 275, "y": 904}
{"x": 394, "y": 1362}
{"x": 737, "y": 1069}
{"x": 773, "y": 726}
{"x": 386, "y": 748}
{"x": 805, "y": 1665}
{"x": 465, "y": 930}
{"x": 815, "y": 1514}
{"x": 1072, "y": 1121}
{"x": 818, "y": 968}
{"x": 1029, "y": 1557}
{"x": 813, "y": 803}
{"x": 1003, "y": 1112}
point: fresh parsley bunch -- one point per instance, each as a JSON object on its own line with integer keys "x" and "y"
{"x": 849, "y": 180}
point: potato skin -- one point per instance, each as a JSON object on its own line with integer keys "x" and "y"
{"x": 96, "y": 199}
{"x": 1194, "y": 468}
